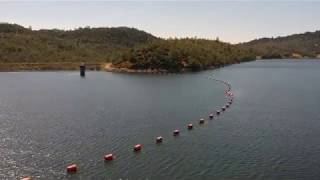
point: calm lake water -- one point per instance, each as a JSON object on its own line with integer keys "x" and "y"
{"x": 51, "y": 119}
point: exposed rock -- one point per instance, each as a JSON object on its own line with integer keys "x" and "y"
{"x": 296, "y": 55}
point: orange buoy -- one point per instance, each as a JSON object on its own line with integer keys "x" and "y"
{"x": 137, "y": 147}
{"x": 159, "y": 139}
{"x": 211, "y": 116}
{"x": 72, "y": 168}
{"x": 190, "y": 126}
{"x": 176, "y": 132}
{"x": 108, "y": 157}
{"x": 26, "y": 178}
{"x": 201, "y": 121}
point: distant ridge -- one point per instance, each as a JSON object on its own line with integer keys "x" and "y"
{"x": 292, "y": 46}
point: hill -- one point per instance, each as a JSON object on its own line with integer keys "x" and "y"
{"x": 23, "y": 45}
{"x": 293, "y": 46}
{"x": 129, "y": 48}
{"x": 26, "y": 49}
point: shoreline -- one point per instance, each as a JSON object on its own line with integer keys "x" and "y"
{"x": 74, "y": 66}
{"x": 54, "y": 66}
{"x": 108, "y": 67}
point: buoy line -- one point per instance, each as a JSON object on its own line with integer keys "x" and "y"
{"x": 138, "y": 147}
{"x": 73, "y": 168}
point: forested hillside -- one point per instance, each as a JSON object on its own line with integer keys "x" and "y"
{"x": 23, "y": 48}
{"x": 293, "y": 46}
{"x": 23, "y": 45}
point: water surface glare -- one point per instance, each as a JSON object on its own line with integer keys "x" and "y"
{"x": 51, "y": 119}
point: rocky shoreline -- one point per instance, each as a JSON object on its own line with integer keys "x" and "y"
{"x": 110, "y": 68}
